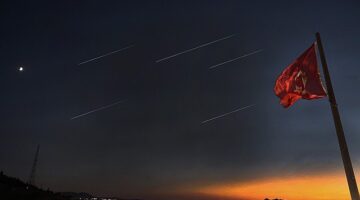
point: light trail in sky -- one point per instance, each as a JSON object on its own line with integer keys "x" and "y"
{"x": 107, "y": 54}
{"x": 228, "y": 113}
{"x": 98, "y": 109}
{"x": 197, "y": 47}
{"x": 240, "y": 57}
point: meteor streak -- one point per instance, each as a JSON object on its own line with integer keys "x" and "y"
{"x": 98, "y": 109}
{"x": 228, "y": 113}
{"x": 192, "y": 49}
{"x": 107, "y": 54}
{"x": 243, "y": 56}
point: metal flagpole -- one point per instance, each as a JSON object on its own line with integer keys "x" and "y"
{"x": 339, "y": 129}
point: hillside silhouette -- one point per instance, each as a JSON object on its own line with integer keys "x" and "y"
{"x": 15, "y": 189}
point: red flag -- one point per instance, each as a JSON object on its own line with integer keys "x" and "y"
{"x": 301, "y": 79}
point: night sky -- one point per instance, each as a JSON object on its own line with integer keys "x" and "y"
{"x": 154, "y": 143}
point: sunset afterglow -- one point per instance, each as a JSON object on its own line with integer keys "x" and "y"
{"x": 307, "y": 187}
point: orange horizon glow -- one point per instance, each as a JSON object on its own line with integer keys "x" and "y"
{"x": 332, "y": 186}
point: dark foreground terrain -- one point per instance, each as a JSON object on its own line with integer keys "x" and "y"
{"x": 14, "y": 189}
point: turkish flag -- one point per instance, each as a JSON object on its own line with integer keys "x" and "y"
{"x": 300, "y": 80}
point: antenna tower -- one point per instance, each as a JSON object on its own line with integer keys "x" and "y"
{"x": 31, "y": 180}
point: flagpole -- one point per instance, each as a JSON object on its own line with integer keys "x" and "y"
{"x": 339, "y": 129}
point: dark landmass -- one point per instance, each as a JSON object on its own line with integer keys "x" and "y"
{"x": 15, "y": 189}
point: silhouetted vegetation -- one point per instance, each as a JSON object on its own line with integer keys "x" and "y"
{"x": 14, "y": 189}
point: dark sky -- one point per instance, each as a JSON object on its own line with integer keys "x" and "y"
{"x": 155, "y": 141}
